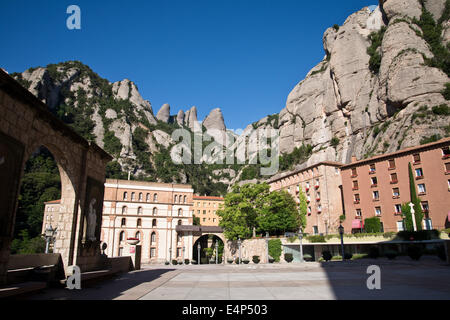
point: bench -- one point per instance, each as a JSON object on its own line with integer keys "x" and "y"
{"x": 21, "y": 288}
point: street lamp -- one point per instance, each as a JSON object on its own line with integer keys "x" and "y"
{"x": 341, "y": 232}
{"x": 300, "y": 236}
{"x": 49, "y": 235}
{"x": 217, "y": 252}
{"x": 170, "y": 254}
{"x": 267, "y": 244}
{"x": 239, "y": 244}
{"x": 198, "y": 251}
{"x": 184, "y": 248}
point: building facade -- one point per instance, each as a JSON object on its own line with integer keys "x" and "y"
{"x": 205, "y": 208}
{"x": 150, "y": 212}
{"x": 321, "y": 184}
{"x": 51, "y": 215}
{"x": 377, "y": 187}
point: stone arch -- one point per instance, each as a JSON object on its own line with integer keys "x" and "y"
{"x": 205, "y": 241}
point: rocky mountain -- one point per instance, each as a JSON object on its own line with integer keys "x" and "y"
{"x": 382, "y": 85}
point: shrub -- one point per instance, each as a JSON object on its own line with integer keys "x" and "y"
{"x": 446, "y": 92}
{"x": 271, "y": 260}
{"x": 326, "y": 255}
{"x": 230, "y": 261}
{"x": 245, "y": 261}
{"x": 316, "y": 238}
{"x": 372, "y": 225}
{"x": 255, "y": 259}
{"x": 391, "y": 254}
{"x": 433, "y": 138}
{"x": 186, "y": 261}
{"x": 348, "y": 256}
{"x": 167, "y": 263}
{"x": 442, "y": 110}
{"x": 204, "y": 260}
{"x": 336, "y": 258}
{"x": 194, "y": 262}
{"x": 288, "y": 257}
{"x": 174, "y": 262}
{"x": 374, "y": 252}
{"x": 334, "y": 142}
{"x": 307, "y": 257}
{"x": 414, "y": 252}
{"x": 376, "y": 39}
{"x": 358, "y": 256}
{"x": 419, "y": 235}
{"x": 180, "y": 262}
{"x": 336, "y": 27}
{"x": 275, "y": 249}
{"x": 237, "y": 261}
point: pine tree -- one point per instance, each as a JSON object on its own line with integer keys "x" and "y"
{"x": 415, "y": 200}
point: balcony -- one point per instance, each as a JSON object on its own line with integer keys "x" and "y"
{"x": 354, "y": 176}
{"x": 397, "y": 213}
{"x": 396, "y": 197}
{"x": 372, "y": 171}
{"x": 374, "y": 185}
{"x": 317, "y": 199}
{"x": 376, "y": 199}
{"x": 356, "y": 202}
{"x": 394, "y": 181}
{"x": 446, "y": 156}
{"x": 307, "y": 189}
{"x": 316, "y": 187}
{"x": 355, "y": 188}
{"x": 392, "y": 168}
{"x": 419, "y": 177}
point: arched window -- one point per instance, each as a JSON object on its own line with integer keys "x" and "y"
{"x": 132, "y": 196}
{"x": 139, "y": 223}
{"x": 140, "y": 196}
{"x": 124, "y": 222}
{"x": 139, "y": 210}
{"x": 184, "y": 199}
{"x": 155, "y": 211}
{"x": 155, "y": 197}
{"x": 178, "y": 238}
{"x": 148, "y": 197}
{"x": 180, "y": 222}
{"x": 176, "y": 198}
{"x": 122, "y": 236}
{"x": 138, "y": 235}
{"x": 125, "y": 196}
{"x": 180, "y": 212}
{"x": 124, "y": 210}
{"x": 153, "y": 238}
{"x": 154, "y": 223}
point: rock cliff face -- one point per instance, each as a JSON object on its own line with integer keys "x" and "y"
{"x": 343, "y": 108}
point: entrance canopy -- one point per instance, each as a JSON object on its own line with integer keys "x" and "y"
{"x": 357, "y": 224}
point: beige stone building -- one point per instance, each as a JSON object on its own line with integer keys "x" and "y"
{"x": 206, "y": 208}
{"x": 150, "y": 212}
{"x": 377, "y": 187}
{"x": 322, "y": 185}
{"x": 51, "y": 215}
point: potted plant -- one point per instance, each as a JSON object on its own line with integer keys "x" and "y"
{"x": 255, "y": 259}
{"x": 133, "y": 241}
{"x": 326, "y": 255}
{"x": 186, "y": 261}
{"x": 288, "y": 257}
{"x": 174, "y": 262}
{"x": 180, "y": 262}
{"x": 230, "y": 260}
{"x": 245, "y": 261}
{"x": 167, "y": 263}
{"x": 391, "y": 254}
{"x": 271, "y": 260}
{"x": 307, "y": 257}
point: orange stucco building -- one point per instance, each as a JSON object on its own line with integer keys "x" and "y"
{"x": 205, "y": 208}
{"x": 380, "y": 185}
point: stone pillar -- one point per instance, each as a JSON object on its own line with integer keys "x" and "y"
{"x": 134, "y": 251}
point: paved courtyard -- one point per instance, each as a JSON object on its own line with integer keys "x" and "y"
{"x": 401, "y": 279}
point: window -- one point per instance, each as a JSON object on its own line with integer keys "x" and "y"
{"x": 391, "y": 164}
{"x": 198, "y": 211}
{"x": 446, "y": 152}
{"x": 125, "y": 196}
{"x": 378, "y": 211}
{"x": 308, "y": 198}
{"x": 315, "y": 230}
{"x": 147, "y": 198}
{"x": 178, "y": 238}
{"x": 153, "y": 238}
{"x": 336, "y": 170}
{"x": 398, "y": 208}
{"x": 176, "y": 198}
{"x": 184, "y": 199}
{"x": 179, "y": 251}
{"x": 214, "y": 219}
{"x": 123, "y": 222}
{"x": 139, "y": 223}
{"x": 447, "y": 167}
{"x": 180, "y": 222}
{"x": 374, "y": 181}
{"x": 204, "y": 211}
{"x": 376, "y": 195}
{"x": 422, "y": 188}
{"x": 372, "y": 168}
{"x": 140, "y": 196}
{"x": 356, "y": 198}
{"x": 355, "y": 185}
{"x": 358, "y": 212}
{"x": 155, "y": 211}
{"x": 152, "y": 252}
{"x": 120, "y": 251}
{"x": 122, "y": 236}
{"x": 309, "y": 210}
{"x": 139, "y": 211}
{"x": 318, "y": 196}
{"x": 180, "y": 212}
{"x": 425, "y": 206}
{"x": 204, "y": 219}
{"x": 396, "y": 192}
{"x": 133, "y": 196}
{"x": 394, "y": 178}
{"x": 319, "y": 208}
{"x": 419, "y": 173}
{"x": 354, "y": 173}
{"x": 427, "y": 224}
{"x": 155, "y": 197}
{"x": 416, "y": 158}
{"x": 400, "y": 226}
{"x": 138, "y": 235}
{"x": 124, "y": 209}
{"x": 154, "y": 223}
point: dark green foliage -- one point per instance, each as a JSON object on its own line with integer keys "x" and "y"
{"x": 415, "y": 252}
{"x": 23, "y": 244}
{"x": 418, "y": 235}
{"x": 336, "y": 27}
{"x": 112, "y": 144}
{"x": 433, "y": 138}
{"x": 415, "y": 200}
{"x": 326, "y": 255}
{"x": 230, "y": 261}
{"x": 374, "y": 252}
{"x": 390, "y": 254}
{"x": 167, "y": 263}
{"x": 288, "y": 257}
{"x": 442, "y": 110}
{"x": 249, "y": 173}
{"x": 316, "y": 238}
{"x": 140, "y": 148}
{"x": 334, "y": 142}
{"x": 186, "y": 261}
{"x": 376, "y": 131}
{"x": 255, "y": 259}
{"x": 446, "y": 92}
{"x": 275, "y": 249}
{"x": 196, "y": 221}
{"x": 322, "y": 69}
{"x": 307, "y": 257}
{"x": 174, "y": 262}
{"x": 372, "y": 225}
{"x": 373, "y": 51}
{"x": 114, "y": 171}
{"x": 299, "y": 155}
{"x": 432, "y": 33}
{"x": 348, "y": 256}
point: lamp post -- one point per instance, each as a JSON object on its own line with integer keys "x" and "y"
{"x": 267, "y": 244}
{"x": 184, "y": 249}
{"x": 300, "y": 237}
{"x": 341, "y": 232}
{"x": 49, "y": 235}
{"x": 239, "y": 244}
{"x": 170, "y": 254}
{"x": 217, "y": 252}
{"x": 198, "y": 253}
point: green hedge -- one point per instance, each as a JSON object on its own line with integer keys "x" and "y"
{"x": 419, "y": 235}
{"x": 372, "y": 225}
{"x": 275, "y": 249}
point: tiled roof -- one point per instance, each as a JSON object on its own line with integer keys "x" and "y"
{"x": 208, "y": 198}
{"x": 53, "y": 202}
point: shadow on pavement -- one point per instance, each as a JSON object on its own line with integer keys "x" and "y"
{"x": 102, "y": 290}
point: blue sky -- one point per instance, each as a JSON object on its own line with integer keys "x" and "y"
{"x": 243, "y": 56}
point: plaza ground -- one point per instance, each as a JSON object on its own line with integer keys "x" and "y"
{"x": 402, "y": 278}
